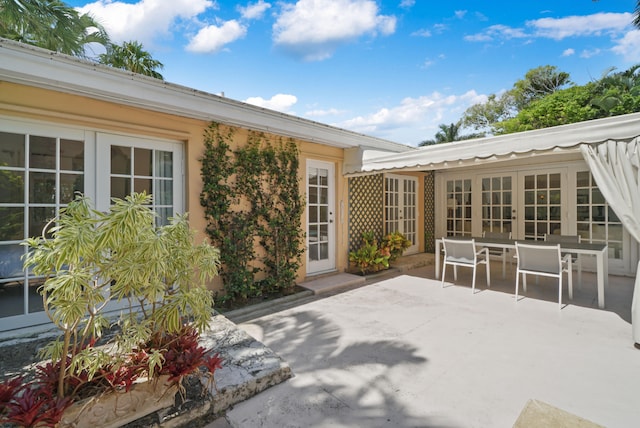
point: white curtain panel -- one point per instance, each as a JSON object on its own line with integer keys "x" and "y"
{"x": 615, "y": 166}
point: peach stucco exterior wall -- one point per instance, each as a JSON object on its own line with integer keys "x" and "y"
{"x": 62, "y": 109}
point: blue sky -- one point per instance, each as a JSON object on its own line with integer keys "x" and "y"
{"x": 391, "y": 69}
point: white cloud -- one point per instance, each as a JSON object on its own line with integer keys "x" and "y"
{"x": 145, "y": 20}
{"x": 440, "y": 28}
{"x": 629, "y": 46}
{"x": 497, "y": 32}
{"x": 313, "y": 29}
{"x": 406, "y": 4}
{"x": 254, "y": 10}
{"x": 214, "y": 38}
{"x": 324, "y": 113}
{"x": 576, "y": 26}
{"x": 568, "y": 52}
{"x": 278, "y": 102}
{"x": 422, "y": 33}
{"x": 588, "y": 53}
{"x": 460, "y": 13}
{"x": 423, "y": 113}
{"x": 558, "y": 28}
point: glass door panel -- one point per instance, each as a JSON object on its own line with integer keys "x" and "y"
{"x": 497, "y": 204}
{"x": 401, "y": 213}
{"x": 320, "y": 214}
{"x": 542, "y": 204}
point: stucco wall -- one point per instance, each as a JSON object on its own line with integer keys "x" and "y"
{"x": 91, "y": 115}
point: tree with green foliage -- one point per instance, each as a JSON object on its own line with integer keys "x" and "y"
{"x": 537, "y": 83}
{"x": 613, "y": 94}
{"x": 484, "y": 116}
{"x": 131, "y": 56}
{"x": 566, "y": 106}
{"x": 449, "y": 133}
{"x": 50, "y": 24}
{"x": 618, "y": 93}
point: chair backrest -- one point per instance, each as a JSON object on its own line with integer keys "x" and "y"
{"x": 561, "y": 238}
{"x": 496, "y": 235}
{"x": 460, "y": 248}
{"x": 539, "y": 258}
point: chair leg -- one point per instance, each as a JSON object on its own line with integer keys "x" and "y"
{"x": 455, "y": 272}
{"x": 504, "y": 264}
{"x": 579, "y": 263}
{"x": 444, "y": 270}
{"x": 524, "y": 282}
{"x": 517, "y": 284}
{"x": 560, "y": 292}
{"x": 473, "y": 282}
{"x": 570, "y": 278}
{"x": 489, "y": 274}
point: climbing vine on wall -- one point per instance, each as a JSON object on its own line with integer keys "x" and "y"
{"x": 254, "y": 211}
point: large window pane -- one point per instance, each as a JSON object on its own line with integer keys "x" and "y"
{"x": 42, "y": 152}
{"x": 38, "y": 219}
{"x": 42, "y": 188}
{"x": 120, "y": 187}
{"x": 164, "y": 192}
{"x": 164, "y": 164}
{"x": 71, "y": 155}
{"x": 12, "y": 151}
{"x": 11, "y": 186}
{"x": 70, "y": 184}
{"x": 143, "y": 162}
{"x": 12, "y": 224}
{"x": 120, "y": 160}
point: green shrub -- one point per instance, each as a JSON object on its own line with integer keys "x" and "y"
{"x": 370, "y": 257}
{"x": 397, "y": 243}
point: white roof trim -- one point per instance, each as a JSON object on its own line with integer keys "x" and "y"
{"x": 504, "y": 147}
{"x": 29, "y": 65}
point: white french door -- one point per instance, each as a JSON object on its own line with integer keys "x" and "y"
{"x": 320, "y": 185}
{"x": 401, "y": 212}
{"x": 543, "y": 203}
{"x": 498, "y": 203}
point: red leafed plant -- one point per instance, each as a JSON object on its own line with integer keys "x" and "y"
{"x": 182, "y": 353}
{"x": 29, "y": 405}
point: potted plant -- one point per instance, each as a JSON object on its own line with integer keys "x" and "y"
{"x": 370, "y": 257}
{"x": 397, "y": 243}
{"x": 89, "y": 259}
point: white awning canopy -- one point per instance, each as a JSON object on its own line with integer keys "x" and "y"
{"x": 503, "y": 147}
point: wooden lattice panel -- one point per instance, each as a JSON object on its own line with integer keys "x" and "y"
{"x": 366, "y": 208}
{"x": 429, "y": 211}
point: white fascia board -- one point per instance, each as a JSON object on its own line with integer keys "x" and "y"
{"x": 37, "y": 67}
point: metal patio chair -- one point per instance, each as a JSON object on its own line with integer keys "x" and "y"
{"x": 575, "y": 258}
{"x": 501, "y": 252}
{"x": 543, "y": 260}
{"x": 462, "y": 252}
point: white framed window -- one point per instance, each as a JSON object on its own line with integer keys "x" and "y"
{"x": 41, "y": 169}
{"x": 141, "y": 164}
{"x": 43, "y": 165}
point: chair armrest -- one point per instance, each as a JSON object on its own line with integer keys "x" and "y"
{"x": 484, "y": 250}
{"x": 567, "y": 260}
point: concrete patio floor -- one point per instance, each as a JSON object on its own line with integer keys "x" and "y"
{"x": 405, "y": 352}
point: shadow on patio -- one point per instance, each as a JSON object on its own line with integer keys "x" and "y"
{"x": 405, "y": 352}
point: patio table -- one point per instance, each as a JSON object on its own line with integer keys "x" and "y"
{"x": 600, "y": 251}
